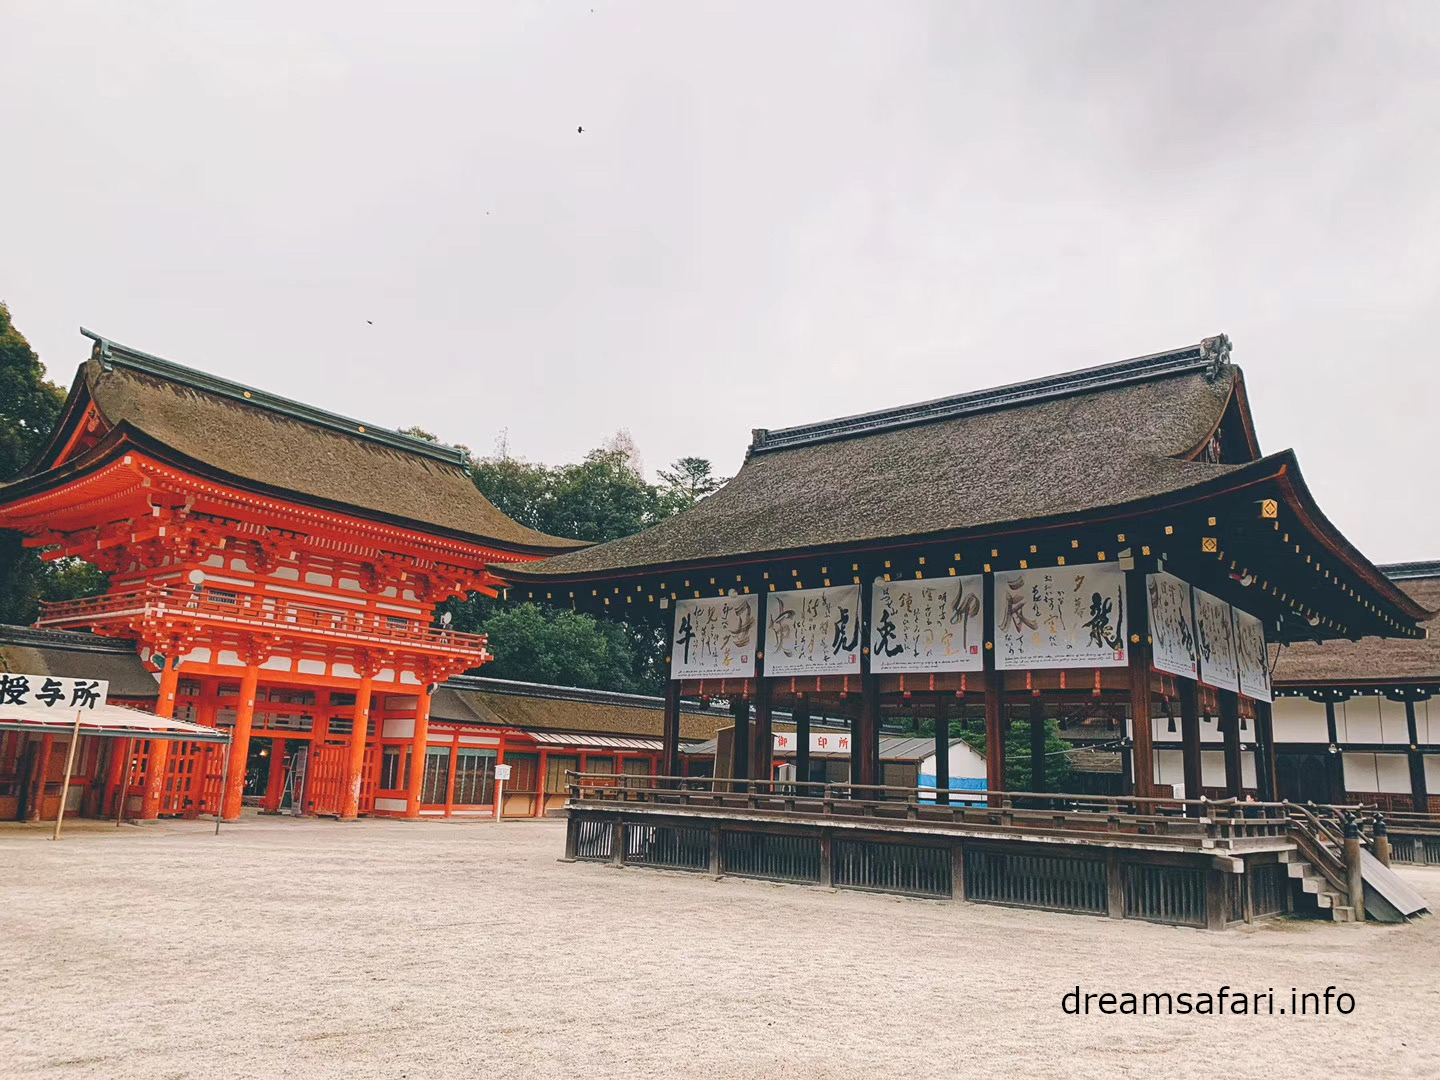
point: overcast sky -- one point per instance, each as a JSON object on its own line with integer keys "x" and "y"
{"x": 776, "y": 212}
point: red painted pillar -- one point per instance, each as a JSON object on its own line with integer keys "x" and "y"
{"x": 417, "y": 752}
{"x": 540, "y": 784}
{"x": 498, "y": 789}
{"x": 160, "y": 748}
{"x": 359, "y": 731}
{"x": 240, "y": 743}
{"x": 275, "y": 782}
{"x": 115, "y": 775}
{"x": 37, "y": 779}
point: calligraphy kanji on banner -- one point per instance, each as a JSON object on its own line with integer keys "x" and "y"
{"x": 1215, "y": 641}
{"x": 933, "y": 624}
{"x": 51, "y": 691}
{"x": 1251, "y": 658}
{"x": 714, "y": 638}
{"x": 1061, "y": 617}
{"x": 813, "y": 632}
{"x": 1172, "y": 624}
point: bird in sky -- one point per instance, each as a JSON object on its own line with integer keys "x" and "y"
{"x": 579, "y": 131}
{"x": 369, "y": 322}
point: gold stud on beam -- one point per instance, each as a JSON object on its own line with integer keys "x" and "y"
{"x": 1269, "y": 509}
{"x": 1033, "y": 550}
{"x": 1212, "y": 521}
{"x": 1024, "y": 564}
{"x": 994, "y": 553}
{"x": 987, "y": 568}
{"x": 1120, "y": 537}
{"x": 1074, "y": 544}
{"x": 1169, "y": 530}
{"x": 1060, "y": 561}
{"x": 1144, "y": 549}
{"x": 1099, "y": 556}
{"x": 952, "y": 571}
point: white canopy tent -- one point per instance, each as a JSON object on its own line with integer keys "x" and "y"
{"x": 106, "y": 721}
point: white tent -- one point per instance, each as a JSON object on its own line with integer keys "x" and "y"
{"x": 106, "y": 721}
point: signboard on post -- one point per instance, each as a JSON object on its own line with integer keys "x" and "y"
{"x": 1061, "y": 617}
{"x": 714, "y": 638}
{"x": 931, "y": 624}
{"x": 813, "y": 631}
{"x": 1215, "y": 642}
{"x": 52, "y": 692}
{"x": 1172, "y": 625}
{"x": 1251, "y": 659}
{"x": 821, "y": 742}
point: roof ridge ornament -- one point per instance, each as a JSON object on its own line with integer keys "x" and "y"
{"x": 1216, "y": 352}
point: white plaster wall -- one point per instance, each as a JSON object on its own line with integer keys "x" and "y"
{"x": 1300, "y": 720}
{"x": 1377, "y": 772}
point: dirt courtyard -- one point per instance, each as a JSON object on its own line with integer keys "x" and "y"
{"x": 314, "y": 949}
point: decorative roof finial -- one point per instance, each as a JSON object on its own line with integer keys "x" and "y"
{"x": 1216, "y": 350}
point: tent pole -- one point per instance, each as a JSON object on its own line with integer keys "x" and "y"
{"x": 65, "y": 784}
{"x": 224, "y": 786}
{"x": 124, "y": 781}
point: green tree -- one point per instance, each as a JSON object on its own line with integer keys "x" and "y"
{"x": 532, "y": 644}
{"x": 29, "y": 408}
{"x": 1017, "y": 753}
{"x": 688, "y": 480}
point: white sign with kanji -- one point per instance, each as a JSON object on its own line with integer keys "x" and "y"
{"x": 52, "y": 691}
{"x": 813, "y": 631}
{"x": 1215, "y": 639}
{"x": 714, "y": 638}
{"x": 1061, "y": 617}
{"x": 1251, "y": 658}
{"x": 1172, "y": 625}
{"x": 822, "y": 742}
{"x": 932, "y": 624}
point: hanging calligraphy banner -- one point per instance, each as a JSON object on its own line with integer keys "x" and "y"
{"x": 714, "y": 638}
{"x": 932, "y": 624}
{"x": 1250, "y": 656}
{"x": 1172, "y": 625}
{"x": 1215, "y": 641}
{"x": 1061, "y": 617}
{"x": 813, "y": 632}
{"x": 52, "y": 692}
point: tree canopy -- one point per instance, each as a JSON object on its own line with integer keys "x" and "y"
{"x": 29, "y": 409}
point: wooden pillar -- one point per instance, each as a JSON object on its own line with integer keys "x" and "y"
{"x": 800, "y": 712}
{"x": 159, "y": 756}
{"x": 740, "y": 743}
{"x": 1265, "y": 773}
{"x": 274, "y": 782}
{"x": 869, "y": 734}
{"x": 1334, "y": 760}
{"x": 1230, "y": 728}
{"x": 1037, "y": 743}
{"x": 1142, "y": 751}
{"x": 417, "y": 752}
{"x": 1190, "y": 741}
{"x": 762, "y": 753}
{"x": 994, "y": 698}
{"x": 359, "y": 732}
{"x": 115, "y": 775}
{"x": 942, "y": 749}
{"x": 1419, "y": 789}
{"x": 240, "y": 743}
{"x": 36, "y": 797}
{"x": 670, "y": 735}
{"x": 539, "y": 810}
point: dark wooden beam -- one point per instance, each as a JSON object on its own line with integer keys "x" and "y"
{"x": 942, "y": 749}
{"x": 762, "y": 753}
{"x": 1335, "y": 764}
{"x": 800, "y": 713}
{"x": 994, "y": 697}
{"x": 1419, "y": 789}
{"x": 1190, "y": 741}
{"x": 1230, "y": 728}
{"x": 1142, "y": 739}
{"x": 670, "y": 737}
{"x": 740, "y": 744}
{"x": 1266, "y": 781}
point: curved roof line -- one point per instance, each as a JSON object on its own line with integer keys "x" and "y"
{"x": 113, "y": 354}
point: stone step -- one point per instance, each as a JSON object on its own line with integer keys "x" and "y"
{"x": 1342, "y": 913}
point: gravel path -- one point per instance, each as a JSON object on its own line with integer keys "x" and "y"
{"x": 385, "y": 949}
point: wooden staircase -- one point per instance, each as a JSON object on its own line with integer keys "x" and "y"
{"x": 1330, "y": 901}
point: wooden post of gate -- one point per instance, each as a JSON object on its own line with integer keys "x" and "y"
{"x": 502, "y": 773}
{"x": 69, "y": 766}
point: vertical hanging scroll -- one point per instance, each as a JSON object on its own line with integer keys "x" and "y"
{"x": 931, "y": 624}
{"x": 1215, "y": 641}
{"x": 1172, "y": 625}
{"x": 1061, "y": 617}
{"x": 813, "y": 631}
{"x": 714, "y": 638}
{"x": 1250, "y": 656}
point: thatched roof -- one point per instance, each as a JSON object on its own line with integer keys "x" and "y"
{"x": 274, "y": 444}
{"x": 477, "y": 700}
{"x": 1056, "y": 446}
{"x": 77, "y": 656}
{"x": 1373, "y": 659}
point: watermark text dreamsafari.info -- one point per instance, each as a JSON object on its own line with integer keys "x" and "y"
{"x": 1225, "y": 1001}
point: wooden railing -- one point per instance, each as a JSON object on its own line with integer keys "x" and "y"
{"x": 1183, "y": 822}
{"x": 257, "y": 613}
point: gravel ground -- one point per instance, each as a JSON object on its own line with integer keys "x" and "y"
{"x": 386, "y": 949}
